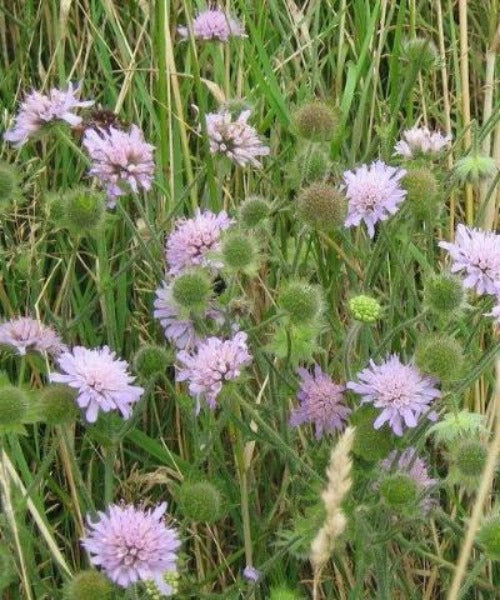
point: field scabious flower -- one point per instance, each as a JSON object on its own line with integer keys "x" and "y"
{"x": 374, "y": 194}
{"x": 477, "y": 254}
{"x": 213, "y": 24}
{"x": 25, "y": 334}
{"x": 419, "y": 140}
{"x": 214, "y": 362}
{"x": 39, "y": 109}
{"x": 132, "y": 544}
{"x": 194, "y": 241}
{"x": 102, "y": 381}
{"x": 120, "y": 159}
{"x": 400, "y": 390}
{"x": 235, "y": 138}
{"x": 321, "y": 402}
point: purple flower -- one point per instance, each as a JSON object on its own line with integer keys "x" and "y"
{"x": 213, "y": 24}
{"x": 214, "y": 362}
{"x": 120, "y": 160}
{"x": 195, "y": 241}
{"x": 251, "y": 574}
{"x": 38, "y": 109}
{"x": 477, "y": 253}
{"x": 321, "y": 403}
{"x": 374, "y": 194}
{"x": 102, "y": 381}
{"x": 235, "y": 139}
{"x": 411, "y": 464}
{"x": 178, "y": 330}
{"x": 401, "y": 391}
{"x": 25, "y": 334}
{"x": 132, "y": 544}
{"x": 419, "y": 140}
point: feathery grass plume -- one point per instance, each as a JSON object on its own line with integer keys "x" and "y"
{"x": 339, "y": 484}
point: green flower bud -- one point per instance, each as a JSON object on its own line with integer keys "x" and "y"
{"x": 421, "y": 52}
{"x": 151, "y": 360}
{"x": 469, "y": 457}
{"x": 88, "y": 585}
{"x": 489, "y": 537}
{"x": 311, "y": 164}
{"x": 8, "y": 573}
{"x": 454, "y": 426}
{"x": 9, "y": 182}
{"x": 152, "y": 590}
{"x": 370, "y": 444}
{"x": 84, "y": 209}
{"x": 321, "y": 206}
{"x": 240, "y": 253}
{"x": 55, "y": 207}
{"x": 423, "y": 192}
{"x": 13, "y": 406}
{"x": 365, "y": 309}
{"x": 474, "y": 168}
{"x": 57, "y": 404}
{"x": 253, "y": 211}
{"x": 399, "y": 491}
{"x": 444, "y": 294}
{"x": 316, "y": 121}
{"x": 192, "y": 290}
{"x": 440, "y": 356}
{"x": 301, "y": 302}
{"x": 200, "y": 501}
{"x": 284, "y": 593}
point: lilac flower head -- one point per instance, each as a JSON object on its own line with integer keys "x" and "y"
{"x": 178, "y": 330}
{"x": 477, "y": 254}
{"x": 373, "y": 193}
{"x": 401, "y": 391}
{"x": 419, "y": 140}
{"x": 414, "y": 466}
{"x": 193, "y": 241}
{"x": 120, "y": 160}
{"x": 251, "y": 574}
{"x": 38, "y": 109}
{"x": 213, "y": 24}
{"x": 214, "y": 362}
{"x": 25, "y": 334}
{"x": 321, "y": 402}
{"x": 235, "y": 138}
{"x": 102, "y": 381}
{"x": 132, "y": 544}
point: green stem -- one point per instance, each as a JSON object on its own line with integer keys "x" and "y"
{"x": 109, "y": 463}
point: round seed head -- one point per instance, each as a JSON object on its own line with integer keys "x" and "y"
{"x": 151, "y": 360}
{"x": 489, "y": 537}
{"x": 200, "y": 501}
{"x": 370, "y": 444}
{"x": 444, "y": 293}
{"x": 440, "y": 356}
{"x": 423, "y": 192}
{"x": 192, "y": 290}
{"x": 321, "y": 206}
{"x": 316, "y": 121}
{"x": 253, "y": 211}
{"x": 301, "y": 301}
{"x": 13, "y": 405}
{"x": 399, "y": 491}
{"x": 88, "y": 585}
{"x": 470, "y": 457}
{"x": 421, "y": 53}
{"x": 57, "y": 404}
{"x": 84, "y": 209}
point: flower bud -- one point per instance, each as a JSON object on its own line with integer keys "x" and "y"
{"x": 283, "y": 593}
{"x": 399, "y": 491}
{"x": 421, "y": 53}
{"x": 469, "y": 457}
{"x": 84, "y": 209}
{"x": 422, "y": 192}
{"x": 192, "y": 290}
{"x": 370, "y": 444}
{"x": 440, "y": 356}
{"x": 200, "y": 501}
{"x": 301, "y": 302}
{"x": 474, "y": 168}
{"x": 365, "y": 309}
{"x": 316, "y": 121}
{"x": 9, "y": 181}
{"x": 253, "y": 211}
{"x": 311, "y": 164}
{"x": 57, "y": 404}
{"x": 454, "y": 426}
{"x": 151, "y": 360}
{"x": 13, "y": 406}
{"x": 88, "y": 585}
{"x": 489, "y": 537}
{"x": 240, "y": 253}
{"x": 321, "y": 206}
{"x": 443, "y": 293}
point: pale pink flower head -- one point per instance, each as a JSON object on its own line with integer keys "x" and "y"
{"x": 133, "y": 544}
{"x": 195, "y": 242}
{"x": 321, "y": 402}
{"x": 409, "y": 463}
{"x": 476, "y": 253}
{"x": 102, "y": 381}
{"x": 401, "y": 392}
{"x": 235, "y": 138}
{"x": 26, "y": 334}
{"x": 213, "y": 24}
{"x": 39, "y": 109}
{"x": 121, "y": 160}
{"x": 214, "y": 362}
{"x": 419, "y": 140}
{"x": 374, "y": 194}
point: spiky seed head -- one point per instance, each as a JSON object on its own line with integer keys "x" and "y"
{"x": 301, "y": 302}
{"x": 151, "y": 360}
{"x": 311, "y": 164}
{"x": 253, "y": 211}
{"x": 444, "y": 293}
{"x": 316, "y": 121}
{"x": 423, "y": 192}
{"x": 441, "y": 356}
{"x": 474, "y": 168}
{"x": 84, "y": 209}
{"x": 489, "y": 537}
{"x": 365, "y": 308}
{"x": 57, "y": 404}
{"x": 13, "y": 405}
{"x": 88, "y": 585}
{"x": 399, "y": 491}
{"x": 192, "y": 290}
{"x": 322, "y": 206}
{"x": 421, "y": 53}
{"x": 370, "y": 444}
{"x": 200, "y": 501}
{"x": 469, "y": 457}
{"x": 240, "y": 252}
